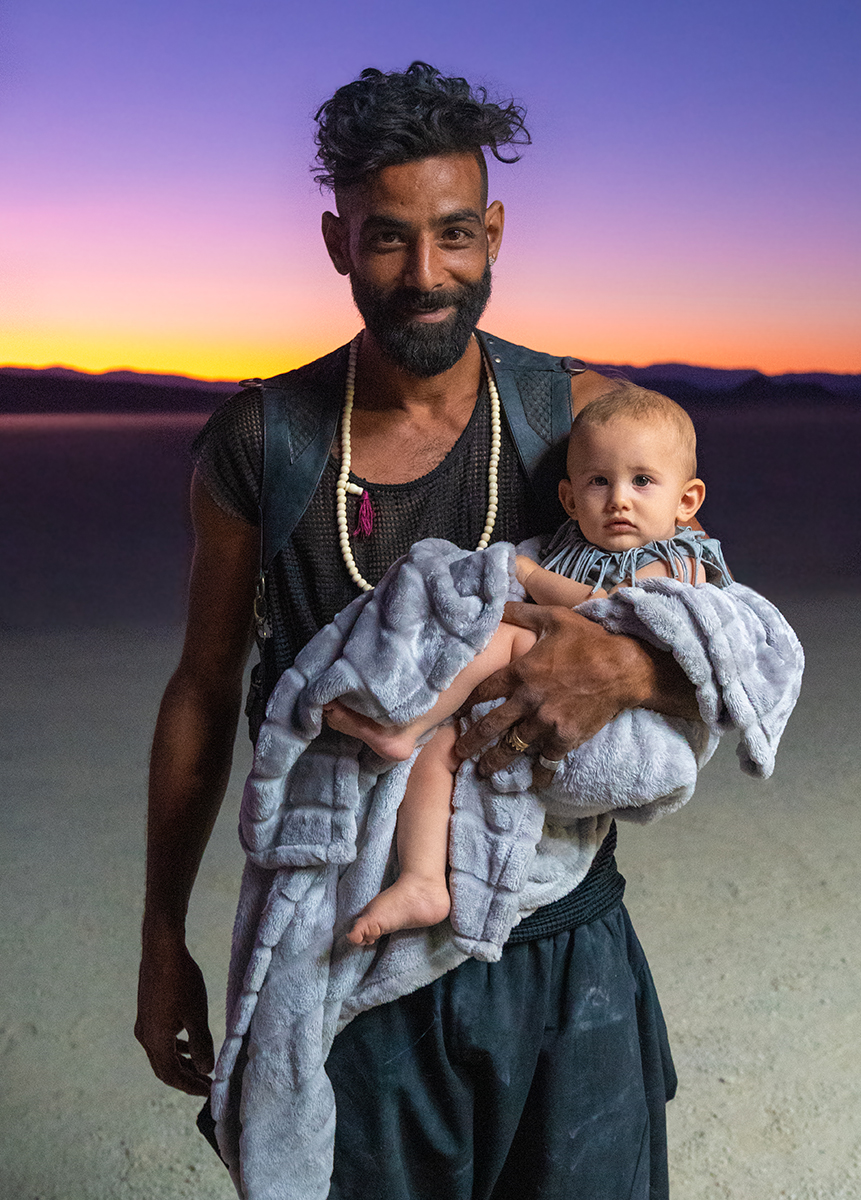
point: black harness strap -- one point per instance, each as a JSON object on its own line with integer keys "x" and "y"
{"x": 541, "y": 450}
{"x": 300, "y": 416}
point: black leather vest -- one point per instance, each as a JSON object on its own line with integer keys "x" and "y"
{"x": 302, "y": 407}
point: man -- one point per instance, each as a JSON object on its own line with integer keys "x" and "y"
{"x": 493, "y": 1081}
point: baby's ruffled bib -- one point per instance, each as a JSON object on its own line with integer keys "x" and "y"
{"x": 570, "y": 554}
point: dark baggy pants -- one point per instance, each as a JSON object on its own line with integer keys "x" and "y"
{"x": 541, "y": 1077}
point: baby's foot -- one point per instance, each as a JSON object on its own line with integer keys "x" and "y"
{"x": 392, "y": 742}
{"x": 412, "y": 902}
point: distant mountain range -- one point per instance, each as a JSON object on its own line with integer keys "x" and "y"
{"x": 714, "y": 379}
{"x": 60, "y": 390}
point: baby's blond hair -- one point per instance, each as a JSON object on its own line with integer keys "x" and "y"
{"x": 629, "y": 400}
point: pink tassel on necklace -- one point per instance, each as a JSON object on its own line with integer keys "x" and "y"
{"x": 366, "y": 518}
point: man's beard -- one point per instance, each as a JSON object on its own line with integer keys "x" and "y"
{"x": 419, "y": 348}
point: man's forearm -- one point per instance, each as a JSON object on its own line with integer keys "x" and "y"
{"x": 191, "y": 759}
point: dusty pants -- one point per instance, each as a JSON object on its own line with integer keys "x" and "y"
{"x": 544, "y": 1075}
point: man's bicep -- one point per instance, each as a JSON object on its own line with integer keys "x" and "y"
{"x": 224, "y": 570}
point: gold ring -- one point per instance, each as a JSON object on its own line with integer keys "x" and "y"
{"x": 513, "y": 741}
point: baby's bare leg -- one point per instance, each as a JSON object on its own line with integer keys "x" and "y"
{"x": 397, "y": 742}
{"x": 419, "y": 897}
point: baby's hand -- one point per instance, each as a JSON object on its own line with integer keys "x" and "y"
{"x": 523, "y": 568}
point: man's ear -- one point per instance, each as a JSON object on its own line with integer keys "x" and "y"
{"x": 693, "y": 494}
{"x": 335, "y": 237}
{"x": 494, "y": 222}
{"x": 566, "y": 496}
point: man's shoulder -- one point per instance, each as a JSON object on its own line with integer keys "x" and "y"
{"x": 331, "y": 366}
{"x": 295, "y": 399}
{"x": 529, "y": 368}
{"x": 515, "y": 357}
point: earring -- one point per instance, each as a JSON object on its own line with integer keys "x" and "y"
{"x": 491, "y": 259}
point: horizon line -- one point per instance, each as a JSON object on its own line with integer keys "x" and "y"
{"x": 204, "y": 379}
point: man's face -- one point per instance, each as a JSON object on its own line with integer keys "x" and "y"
{"x": 415, "y": 241}
{"x": 626, "y": 483}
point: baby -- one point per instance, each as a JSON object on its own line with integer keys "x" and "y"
{"x": 630, "y": 485}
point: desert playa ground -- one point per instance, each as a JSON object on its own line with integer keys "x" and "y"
{"x": 746, "y": 902}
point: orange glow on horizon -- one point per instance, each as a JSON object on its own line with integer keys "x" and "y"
{"x": 241, "y": 358}
{"x": 208, "y": 362}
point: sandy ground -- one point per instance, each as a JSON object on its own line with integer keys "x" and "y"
{"x": 746, "y": 903}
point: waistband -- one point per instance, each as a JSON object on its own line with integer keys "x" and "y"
{"x": 598, "y": 893}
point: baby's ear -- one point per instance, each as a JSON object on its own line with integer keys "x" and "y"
{"x": 693, "y": 494}
{"x": 566, "y": 496}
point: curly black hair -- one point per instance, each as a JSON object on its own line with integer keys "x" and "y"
{"x": 382, "y": 120}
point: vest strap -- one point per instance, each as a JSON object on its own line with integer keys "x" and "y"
{"x": 295, "y": 456}
{"x": 542, "y": 454}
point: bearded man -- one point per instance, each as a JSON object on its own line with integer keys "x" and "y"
{"x": 544, "y": 1074}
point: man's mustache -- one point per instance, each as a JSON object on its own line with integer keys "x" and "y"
{"x": 409, "y": 301}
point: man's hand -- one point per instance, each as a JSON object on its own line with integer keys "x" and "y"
{"x": 172, "y": 999}
{"x": 574, "y": 680}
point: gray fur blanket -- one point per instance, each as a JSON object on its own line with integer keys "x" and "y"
{"x": 319, "y": 812}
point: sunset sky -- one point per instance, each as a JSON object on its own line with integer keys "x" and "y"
{"x": 692, "y": 193}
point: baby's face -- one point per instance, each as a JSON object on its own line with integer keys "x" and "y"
{"x": 627, "y": 483}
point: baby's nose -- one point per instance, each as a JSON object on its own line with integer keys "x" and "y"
{"x": 618, "y": 498}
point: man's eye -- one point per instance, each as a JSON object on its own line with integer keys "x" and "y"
{"x": 386, "y": 238}
{"x": 641, "y": 481}
{"x": 457, "y": 235}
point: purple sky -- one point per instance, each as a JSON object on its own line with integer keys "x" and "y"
{"x": 692, "y": 193}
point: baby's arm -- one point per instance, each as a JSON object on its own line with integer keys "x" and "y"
{"x": 397, "y": 742}
{"x": 661, "y": 570}
{"x": 546, "y": 587}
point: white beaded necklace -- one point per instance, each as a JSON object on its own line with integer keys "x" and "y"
{"x": 344, "y": 485}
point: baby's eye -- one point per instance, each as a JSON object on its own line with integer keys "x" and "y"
{"x": 641, "y": 481}
{"x": 599, "y": 480}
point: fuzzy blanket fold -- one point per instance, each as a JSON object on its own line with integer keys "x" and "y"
{"x": 319, "y": 812}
